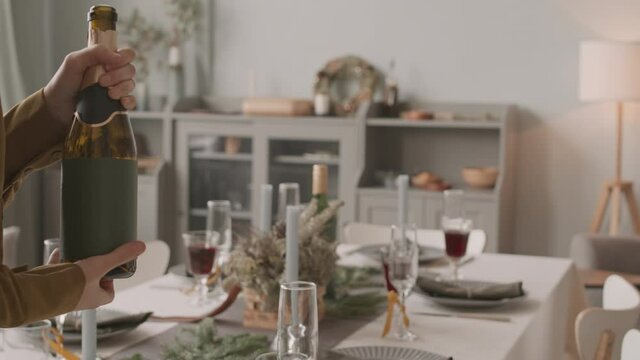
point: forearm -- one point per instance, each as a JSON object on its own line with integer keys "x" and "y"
{"x": 33, "y": 141}
{"x": 38, "y": 294}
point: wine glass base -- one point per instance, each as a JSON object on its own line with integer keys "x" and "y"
{"x": 406, "y": 336}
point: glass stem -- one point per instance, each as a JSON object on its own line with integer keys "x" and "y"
{"x": 204, "y": 290}
{"x": 401, "y": 327}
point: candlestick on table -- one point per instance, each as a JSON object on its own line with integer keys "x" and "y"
{"x": 402, "y": 182}
{"x": 292, "y": 254}
{"x": 266, "y": 196}
{"x": 89, "y": 335}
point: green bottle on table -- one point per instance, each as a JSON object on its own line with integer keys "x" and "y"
{"x": 99, "y": 166}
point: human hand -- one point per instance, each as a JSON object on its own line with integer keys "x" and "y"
{"x": 61, "y": 92}
{"x": 97, "y": 290}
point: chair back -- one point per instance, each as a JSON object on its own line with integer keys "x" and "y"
{"x": 621, "y": 308}
{"x": 10, "y": 237}
{"x": 150, "y": 265}
{"x": 605, "y": 252}
{"x": 631, "y": 345}
{"x": 372, "y": 234}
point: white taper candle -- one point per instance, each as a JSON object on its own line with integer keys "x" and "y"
{"x": 402, "y": 182}
{"x": 89, "y": 335}
{"x": 292, "y": 254}
{"x": 266, "y": 196}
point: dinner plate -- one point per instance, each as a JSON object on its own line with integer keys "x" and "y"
{"x": 470, "y": 303}
{"x": 102, "y": 334}
{"x": 388, "y": 353}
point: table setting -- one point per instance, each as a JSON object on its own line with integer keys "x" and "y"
{"x": 289, "y": 292}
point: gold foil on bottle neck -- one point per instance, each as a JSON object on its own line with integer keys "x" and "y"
{"x": 320, "y": 176}
{"x": 108, "y": 39}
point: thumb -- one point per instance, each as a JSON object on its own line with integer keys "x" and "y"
{"x": 121, "y": 255}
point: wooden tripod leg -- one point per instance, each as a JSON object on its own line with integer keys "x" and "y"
{"x": 598, "y": 217}
{"x": 633, "y": 208}
{"x": 614, "y": 222}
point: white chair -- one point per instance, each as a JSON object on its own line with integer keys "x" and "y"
{"x": 371, "y": 234}
{"x": 10, "y": 246}
{"x": 619, "y": 313}
{"x": 631, "y": 345}
{"x": 150, "y": 265}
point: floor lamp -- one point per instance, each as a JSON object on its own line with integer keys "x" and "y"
{"x": 610, "y": 71}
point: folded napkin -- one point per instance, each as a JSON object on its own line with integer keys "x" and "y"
{"x": 73, "y": 323}
{"x": 475, "y": 290}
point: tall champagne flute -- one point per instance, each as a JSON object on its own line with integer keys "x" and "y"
{"x": 456, "y": 230}
{"x": 49, "y": 246}
{"x": 400, "y": 260}
{"x": 297, "y": 321}
{"x": 202, "y": 247}
{"x": 288, "y": 194}
{"x": 219, "y": 221}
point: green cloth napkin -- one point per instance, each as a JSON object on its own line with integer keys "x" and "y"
{"x": 475, "y": 290}
{"x": 73, "y": 323}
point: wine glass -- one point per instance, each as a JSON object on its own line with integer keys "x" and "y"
{"x": 297, "y": 321}
{"x": 268, "y": 356}
{"x": 202, "y": 247}
{"x": 288, "y": 194}
{"x": 49, "y": 246}
{"x": 456, "y": 230}
{"x": 400, "y": 261}
{"x": 27, "y": 341}
{"x": 219, "y": 221}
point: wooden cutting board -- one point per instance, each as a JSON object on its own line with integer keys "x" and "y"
{"x": 277, "y": 107}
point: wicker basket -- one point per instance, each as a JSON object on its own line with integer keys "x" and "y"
{"x": 256, "y": 318}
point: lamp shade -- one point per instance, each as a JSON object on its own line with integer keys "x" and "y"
{"x": 609, "y": 71}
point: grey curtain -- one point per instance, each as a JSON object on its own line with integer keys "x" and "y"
{"x": 11, "y": 83}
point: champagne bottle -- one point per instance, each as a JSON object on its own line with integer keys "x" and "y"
{"x": 99, "y": 166}
{"x": 319, "y": 193}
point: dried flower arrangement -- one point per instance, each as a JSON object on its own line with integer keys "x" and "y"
{"x": 258, "y": 260}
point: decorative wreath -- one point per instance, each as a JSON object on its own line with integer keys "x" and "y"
{"x": 347, "y": 68}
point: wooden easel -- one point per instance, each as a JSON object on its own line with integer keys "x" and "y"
{"x": 614, "y": 190}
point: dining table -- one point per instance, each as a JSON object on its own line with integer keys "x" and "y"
{"x": 538, "y": 326}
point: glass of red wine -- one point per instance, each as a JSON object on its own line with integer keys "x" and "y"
{"x": 202, "y": 248}
{"x": 456, "y": 230}
{"x": 400, "y": 266}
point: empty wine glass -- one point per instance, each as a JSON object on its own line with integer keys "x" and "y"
{"x": 49, "y": 246}
{"x": 288, "y": 194}
{"x": 219, "y": 221}
{"x": 27, "y": 341}
{"x": 297, "y": 321}
{"x": 456, "y": 230}
{"x": 268, "y": 356}
{"x": 400, "y": 261}
{"x": 202, "y": 247}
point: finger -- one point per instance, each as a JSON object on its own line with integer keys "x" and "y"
{"x": 54, "y": 258}
{"x": 122, "y": 89}
{"x": 118, "y": 75}
{"x": 108, "y": 292}
{"x": 126, "y": 56}
{"x": 97, "y": 54}
{"x": 119, "y": 256}
{"x": 129, "y": 102}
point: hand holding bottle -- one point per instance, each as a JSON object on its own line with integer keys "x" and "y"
{"x": 97, "y": 290}
{"x": 61, "y": 93}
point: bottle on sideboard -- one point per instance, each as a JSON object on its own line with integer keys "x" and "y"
{"x": 319, "y": 190}
{"x": 99, "y": 166}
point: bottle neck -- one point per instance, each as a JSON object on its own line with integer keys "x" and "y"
{"x": 99, "y": 35}
{"x": 319, "y": 183}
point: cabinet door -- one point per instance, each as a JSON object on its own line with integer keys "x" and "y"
{"x": 383, "y": 209}
{"x": 483, "y": 213}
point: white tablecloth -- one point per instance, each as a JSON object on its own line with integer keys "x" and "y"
{"x": 541, "y": 326}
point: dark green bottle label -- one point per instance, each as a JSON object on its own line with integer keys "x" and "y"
{"x": 99, "y": 208}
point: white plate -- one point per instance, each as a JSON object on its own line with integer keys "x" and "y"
{"x": 388, "y": 353}
{"x": 103, "y": 334}
{"x": 471, "y": 303}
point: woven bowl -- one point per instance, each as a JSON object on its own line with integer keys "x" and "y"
{"x": 480, "y": 177}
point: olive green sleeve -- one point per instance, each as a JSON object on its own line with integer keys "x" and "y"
{"x": 40, "y": 293}
{"x": 33, "y": 140}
